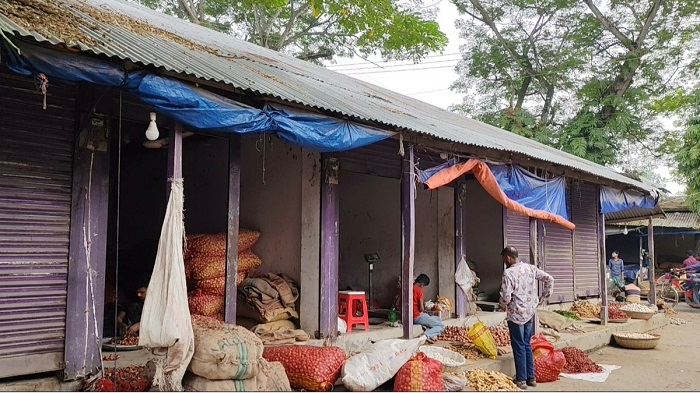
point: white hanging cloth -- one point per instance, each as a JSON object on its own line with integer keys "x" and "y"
{"x": 166, "y": 325}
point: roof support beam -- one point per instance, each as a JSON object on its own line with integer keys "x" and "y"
{"x": 408, "y": 239}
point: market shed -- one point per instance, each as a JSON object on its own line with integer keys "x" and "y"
{"x": 263, "y": 140}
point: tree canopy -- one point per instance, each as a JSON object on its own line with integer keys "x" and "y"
{"x": 585, "y": 76}
{"x": 314, "y": 29}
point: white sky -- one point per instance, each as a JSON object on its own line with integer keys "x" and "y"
{"x": 430, "y": 80}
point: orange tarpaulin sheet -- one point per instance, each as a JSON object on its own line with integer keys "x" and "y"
{"x": 485, "y": 177}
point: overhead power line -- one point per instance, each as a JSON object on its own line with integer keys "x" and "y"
{"x": 351, "y": 72}
{"x": 368, "y": 62}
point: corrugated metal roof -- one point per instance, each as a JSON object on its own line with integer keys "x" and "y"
{"x": 125, "y": 30}
{"x": 672, "y": 220}
{"x": 634, "y": 214}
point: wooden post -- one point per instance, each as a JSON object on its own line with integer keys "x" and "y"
{"x": 461, "y": 301}
{"x": 234, "y": 207}
{"x": 533, "y": 242}
{"x": 330, "y": 251}
{"x": 87, "y": 255}
{"x": 175, "y": 155}
{"x": 603, "y": 278}
{"x": 652, "y": 262}
{"x": 408, "y": 239}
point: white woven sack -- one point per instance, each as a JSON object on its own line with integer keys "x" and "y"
{"x": 166, "y": 326}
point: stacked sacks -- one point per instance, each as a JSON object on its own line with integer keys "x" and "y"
{"x": 229, "y": 358}
{"x": 205, "y": 268}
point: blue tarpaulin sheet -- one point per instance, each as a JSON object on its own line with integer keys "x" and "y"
{"x": 613, "y": 200}
{"x": 197, "y": 108}
{"x": 521, "y": 186}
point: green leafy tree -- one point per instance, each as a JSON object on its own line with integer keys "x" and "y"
{"x": 315, "y": 29}
{"x": 588, "y": 71}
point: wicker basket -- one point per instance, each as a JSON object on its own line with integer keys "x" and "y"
{"x": 637, "y": 343}
{"x": 639, "y": 315}
{"x": 447, "y": 358}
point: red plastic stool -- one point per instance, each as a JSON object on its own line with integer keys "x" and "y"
{"x": 350, "y": 304}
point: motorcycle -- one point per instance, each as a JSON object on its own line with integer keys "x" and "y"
{"x": 692, "y": 290}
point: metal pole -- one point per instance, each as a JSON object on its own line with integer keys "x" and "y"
{"x": 652, "y": 262}
{"x": 603, "y": 279}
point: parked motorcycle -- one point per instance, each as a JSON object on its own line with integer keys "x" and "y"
{"x": 692, "y": 290}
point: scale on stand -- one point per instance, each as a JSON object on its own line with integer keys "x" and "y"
{"x": 371, "y": 259}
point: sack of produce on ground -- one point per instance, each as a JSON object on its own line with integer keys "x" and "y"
{"x": 549, "y": 366}
{"x": 578, "y": 362}
{"x": 217, "y": 286}
{"x": 540, "y": 345}
{"x": 368, "y": 370}
{"x": 128, "y": 379}
{"x": 203, "y": 304}
{"x": 277, "y": 380}
{"x": 247, "y": 261}
{"x": 480, "y": 335}
{"x": 420, "y": 374}
{"x": 194, "y": 383}
{"x": 586, "y": 309}
{"x": 224, "y": 351}
{"x": 310, "y": 368}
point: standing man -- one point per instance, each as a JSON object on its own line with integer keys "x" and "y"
{"x": 434, "y": 325}
{"x": 617, "y": 271}
{"x": 519, "y": 298}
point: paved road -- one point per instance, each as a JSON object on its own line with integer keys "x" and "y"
{"x": 674, "y": 365}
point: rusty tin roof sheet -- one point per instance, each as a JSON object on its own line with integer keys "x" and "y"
{"x": 128, "y": 31}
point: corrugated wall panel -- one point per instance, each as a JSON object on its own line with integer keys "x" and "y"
{"x": 584, "y": 214}
{"x": 518, "y": 234}
{"x": 379, "y": 159}
{"x": 36, "y": 167}
{"x": 558, "y": 259}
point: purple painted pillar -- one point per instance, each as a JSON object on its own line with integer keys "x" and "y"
{"x": 408, "y": 239}
{"x": 330, "y": 251}
{"x": 234, "y": 206}
{"x": 652, "y": 261}
{"x": 460, "y": 245}
{"x": 602, "y": 273}
{"x": 87, "y": 257}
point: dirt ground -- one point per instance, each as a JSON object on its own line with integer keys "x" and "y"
{"x": 674, "y": 365}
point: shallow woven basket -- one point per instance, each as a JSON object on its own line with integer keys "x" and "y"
{"x": 637, "y": 343}
{"x": 453, "y": 359}
{"x": 639, "y": 315}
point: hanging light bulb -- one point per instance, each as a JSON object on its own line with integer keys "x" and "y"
{"x": 444, "y": 155}
{"x": 152, "y": 130}
{"x": 624, "y": 231}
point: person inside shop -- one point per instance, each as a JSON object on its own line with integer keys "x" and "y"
{"x": 134, "y": 309}
{"x": 519, "y": 299}
{"x": 433, "y": 324}
{"x": 617, "y": 271}
{"x": 690, "y": 259}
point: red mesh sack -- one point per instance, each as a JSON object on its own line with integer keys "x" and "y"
{"x": 549, "y": 366}
{"x": 204, "y": 267}
{"x": 540, "y": 345}
{"x": 420, "y": 374}
{"x": 309, "y": 368}
{"x": 247, "y": 261}
{"x": 203, "y": 304}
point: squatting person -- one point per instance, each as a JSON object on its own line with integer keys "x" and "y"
{"x": 434, "y": 324}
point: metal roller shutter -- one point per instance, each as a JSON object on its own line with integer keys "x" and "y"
{"x": 379, "y": 159}
{"x": 518, "y": 233}
{"x": 584, "y": 214}
{"x": 36, "y": 167}
{"x": 558, "y": 260}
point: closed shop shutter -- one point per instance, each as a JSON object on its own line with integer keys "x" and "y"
{"x": 518, "y": 233}
{"x": 584, "y": 214}
{"x": 379, "y": 159}
{"x": 36, "y": 167}
{"x": 558, "y": 261}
